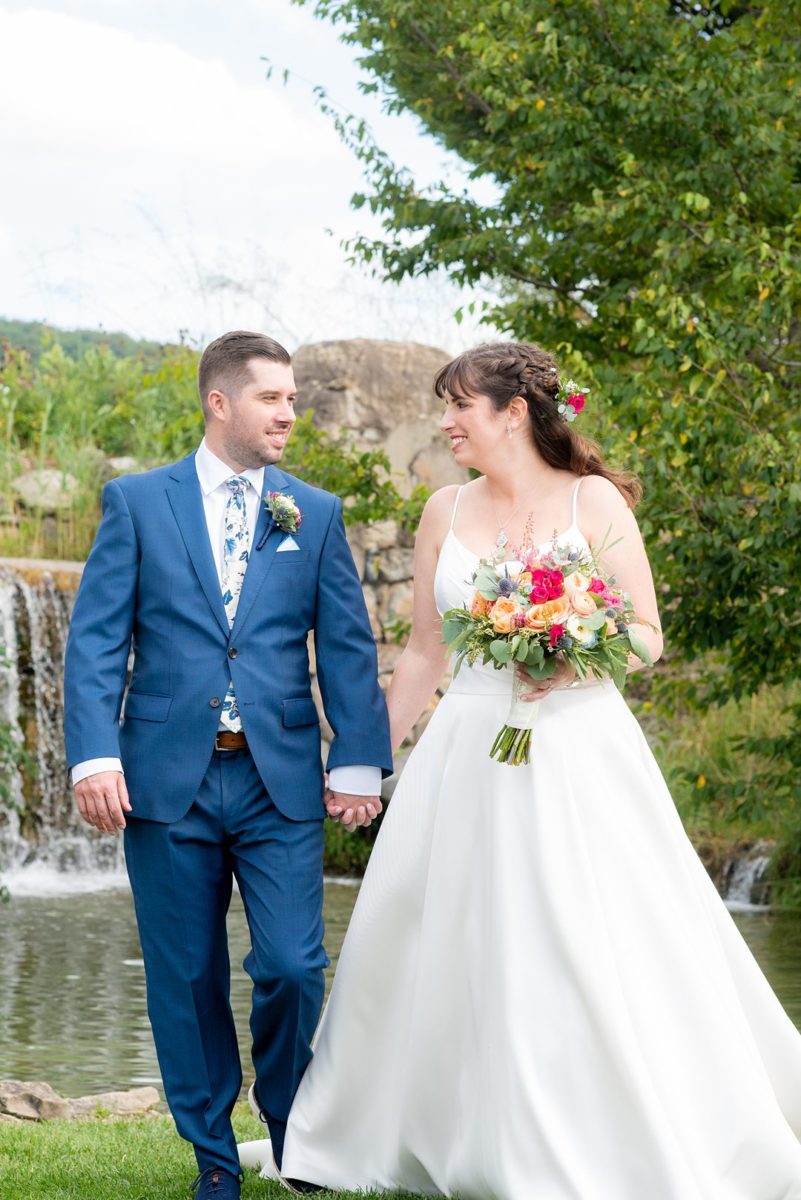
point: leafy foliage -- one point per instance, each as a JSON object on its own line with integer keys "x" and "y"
{"x": 72, "y": 413}
{"x": 645, "y": 224}
{"x": 362, "y": 477}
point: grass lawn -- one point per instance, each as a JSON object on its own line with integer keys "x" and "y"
{"x": 118, "y": 1160}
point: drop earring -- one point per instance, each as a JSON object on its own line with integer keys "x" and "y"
{"x": 508, "y": 430}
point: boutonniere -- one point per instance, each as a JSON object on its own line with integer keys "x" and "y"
{"x": 284, "y": 511}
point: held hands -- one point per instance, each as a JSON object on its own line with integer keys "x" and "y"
{"x": 103, "y": 799}
{"x": 563, "y": 676}
{"x": 351, "y": 811}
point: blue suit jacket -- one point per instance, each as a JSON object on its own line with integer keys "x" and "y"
{"x": 150, "y": 576}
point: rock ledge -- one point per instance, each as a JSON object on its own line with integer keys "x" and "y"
{"x": 24, "y": 1101}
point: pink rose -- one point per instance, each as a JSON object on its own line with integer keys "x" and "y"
{"x": 597, "y": 585}
{"x": 555, "y": 633}
{"x": 556, "y": 584}
{"x": 576, "y": 400}
{"x": 539, "y": 593}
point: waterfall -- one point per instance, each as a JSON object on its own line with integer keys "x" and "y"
{"x": 743, "y": 885}
{"x": 42, "y": 837}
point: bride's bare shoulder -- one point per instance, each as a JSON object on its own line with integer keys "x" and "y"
{"x": 597, "y": 491}
{"x": 438, "y": 511}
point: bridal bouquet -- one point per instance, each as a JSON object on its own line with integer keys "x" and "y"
{"x": 534, "y": 611}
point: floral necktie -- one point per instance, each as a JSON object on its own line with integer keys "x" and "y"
{"x": 234, "y": 565}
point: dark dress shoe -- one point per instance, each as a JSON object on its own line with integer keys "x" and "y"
{"x": 301, "y": 1187}
{"x": 216, "y": 1184}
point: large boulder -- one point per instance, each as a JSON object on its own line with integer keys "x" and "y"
{"x": 32, "y": 1101}
{"x": 134, "y": 1103}
{"x": 47, "y": 489}
{"x": 381, "y": 393}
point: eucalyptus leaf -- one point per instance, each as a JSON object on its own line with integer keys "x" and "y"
{"x": 500, "y": 650}
{"x": 595, "y": 620}
{"x": 639, "y": 648}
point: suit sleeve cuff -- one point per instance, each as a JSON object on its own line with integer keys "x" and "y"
{"x": 355, "y": 781}
{"x": 93, "y": 766}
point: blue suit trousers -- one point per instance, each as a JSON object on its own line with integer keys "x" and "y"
{"x": 182, "y": 875}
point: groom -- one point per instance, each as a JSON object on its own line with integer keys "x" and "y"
{"x": 217, "y": 568}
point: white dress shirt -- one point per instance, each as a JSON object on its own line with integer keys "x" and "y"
{"x": 212, "y": 474}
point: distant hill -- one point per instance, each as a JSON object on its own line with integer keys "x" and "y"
{"x": 34, "y": 336}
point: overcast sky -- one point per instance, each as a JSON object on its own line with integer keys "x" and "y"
{"x": 152, "y": 180}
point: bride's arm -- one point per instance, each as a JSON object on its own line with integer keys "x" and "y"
{"x": 603, "y": 515}
{"x": 424, "y": 659}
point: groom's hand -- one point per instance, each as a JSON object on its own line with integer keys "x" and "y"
{"x": 352, "y": 811}
{"x": 102, "y": 799}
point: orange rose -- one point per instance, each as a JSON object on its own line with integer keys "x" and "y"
{"x": 503, "y": 612}
{"x": 540, "y": 616}
{"x": 480, "y": 607}
{"x": 582, "y": 603}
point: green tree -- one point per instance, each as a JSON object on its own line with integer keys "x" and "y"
{"x": 645, "y": 226}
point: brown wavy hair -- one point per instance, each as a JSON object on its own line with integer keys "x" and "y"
{"x": 503, "y": 370}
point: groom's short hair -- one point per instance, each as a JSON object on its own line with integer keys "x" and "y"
{"x": 224, "y": 363}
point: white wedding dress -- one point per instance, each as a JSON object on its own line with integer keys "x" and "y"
{"x": 541, "y": 995}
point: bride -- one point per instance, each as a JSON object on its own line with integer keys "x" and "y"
{"x": 541, "y": 995}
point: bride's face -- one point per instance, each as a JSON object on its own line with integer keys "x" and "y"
{"x": 475, "y": 429}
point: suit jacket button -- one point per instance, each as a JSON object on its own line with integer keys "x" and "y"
{"x": 215, "y": 702}
{"x": 232, "y": 652}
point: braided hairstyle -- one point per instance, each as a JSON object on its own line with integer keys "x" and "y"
{"x": 503, "y": 370}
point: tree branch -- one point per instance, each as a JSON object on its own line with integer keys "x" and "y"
{"x": 476, "y": 100}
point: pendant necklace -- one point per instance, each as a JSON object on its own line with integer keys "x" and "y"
{"x": 502, "y": 540}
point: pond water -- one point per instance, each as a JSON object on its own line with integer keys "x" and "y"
{"x": 72, "y": 988}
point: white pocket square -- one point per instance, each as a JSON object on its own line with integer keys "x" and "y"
{"x": 288, "y": 543}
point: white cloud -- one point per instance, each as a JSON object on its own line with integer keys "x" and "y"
{"x": 155, "y": 182}
{"x": 68, "y": 84}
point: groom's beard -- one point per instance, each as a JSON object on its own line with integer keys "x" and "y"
{"x": 242, "y": 448}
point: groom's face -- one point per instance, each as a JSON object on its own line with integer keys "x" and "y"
{"x": 260, "y": 419}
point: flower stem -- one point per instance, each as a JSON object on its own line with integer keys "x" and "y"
{"x": 512, "y": 746}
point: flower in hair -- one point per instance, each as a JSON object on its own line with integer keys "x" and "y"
{"x": 570, "y": 399}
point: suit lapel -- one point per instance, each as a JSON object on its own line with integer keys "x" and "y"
{"x": 260, "y": 561}
{"x": 186, "y": 501}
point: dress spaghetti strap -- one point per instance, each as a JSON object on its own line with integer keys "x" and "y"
{"x": 455, "y": 506}
{"x": 575, "y": 500}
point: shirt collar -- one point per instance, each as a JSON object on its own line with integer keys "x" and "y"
{"x": 212, "y": 472}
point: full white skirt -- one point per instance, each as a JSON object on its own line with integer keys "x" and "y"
{"x": 541, "y": 995}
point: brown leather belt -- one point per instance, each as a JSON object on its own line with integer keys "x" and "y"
{"x": 227, "y": 740}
